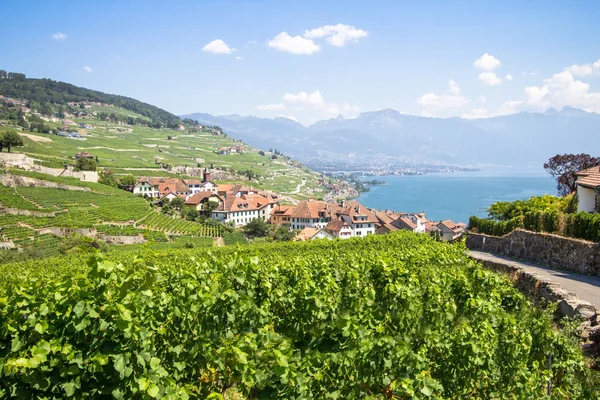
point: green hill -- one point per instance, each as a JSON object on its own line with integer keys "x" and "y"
{"x": 43, "y": 220}
{"x": 129, "y": 136}
{"x": 46, "y": 95}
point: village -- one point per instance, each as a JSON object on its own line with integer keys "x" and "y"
{"x": 238, "y": 205}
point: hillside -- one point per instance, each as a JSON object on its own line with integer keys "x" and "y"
{"x": 131, "y": 137}
{"x": 45, "y": 216}
{"x": 389, "y": 135}
{"x": 46, "y": 94}
{"x": 393, "y": 316}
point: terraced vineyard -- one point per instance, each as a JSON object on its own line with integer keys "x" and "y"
{"x": 166, "y": 223}
{"x": 393, "y": 316}
{"x": 107, "y": 210}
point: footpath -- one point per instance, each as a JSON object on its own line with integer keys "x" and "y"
{"x": 584, "y": 287}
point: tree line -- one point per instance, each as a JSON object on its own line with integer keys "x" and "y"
{"x": 48, "y": 94}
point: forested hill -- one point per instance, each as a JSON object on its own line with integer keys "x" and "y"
{"x": 46, "y": 94}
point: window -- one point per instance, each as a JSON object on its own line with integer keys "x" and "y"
{"x": 358, "y": 233}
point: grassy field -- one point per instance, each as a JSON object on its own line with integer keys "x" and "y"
{"x": 142, "y": 150}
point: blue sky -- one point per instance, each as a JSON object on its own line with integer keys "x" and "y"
{"x": 345, "y": 57}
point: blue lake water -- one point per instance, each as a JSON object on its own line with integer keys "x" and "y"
{"x": 458, "y": 195}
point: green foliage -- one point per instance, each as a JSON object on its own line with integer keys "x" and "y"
{"x": 10, "y": 139}
{"x": 256, "y": 228}
{"x": 504, "y": 210}
{"x": 47, "y": 93}
{"x": 107, "y": 177}
{"x": 396, "y": 315}
{"x": 496, "y": 228}
{"x": 86, "y": 164}
{"x": 127, "y": 180}
{"x": 234, "y": 237}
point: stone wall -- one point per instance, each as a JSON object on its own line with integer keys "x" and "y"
{"x": 552, "y": 250}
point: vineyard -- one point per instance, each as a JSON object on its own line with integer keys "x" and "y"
{"x": 108, "y": 210}
{"x": 392, "y": 316}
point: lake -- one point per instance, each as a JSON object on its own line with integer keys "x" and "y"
{"x": 458, "y": 195}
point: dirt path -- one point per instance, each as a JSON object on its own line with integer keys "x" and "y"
{"x": 585, "y": 286}
{"x": 297, "y": 190}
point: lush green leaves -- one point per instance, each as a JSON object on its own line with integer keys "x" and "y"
{"x": 397, "y": 315}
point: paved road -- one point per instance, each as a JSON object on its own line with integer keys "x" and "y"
{"x": 587, "y": 287}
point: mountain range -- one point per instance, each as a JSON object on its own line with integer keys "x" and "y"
{"x": 388, "y": 134}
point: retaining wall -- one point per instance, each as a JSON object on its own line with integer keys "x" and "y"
{"x": 552, "y": 250}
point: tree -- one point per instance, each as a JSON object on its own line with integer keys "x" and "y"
{"x": 262, "y": 153}
{"x": 11, "y": 139}
{"x": 85, "y": 164}
{"x": 127, "y": 181}
{"x": 177, "y": 203}
{"x": 107, "y": 177}
{"x": 563, "y": 168}
{"x": 256, "y": 228}
{"x": 283, "y": 234}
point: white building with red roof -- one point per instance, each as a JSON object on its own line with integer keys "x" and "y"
{"x": 588, "y": 190}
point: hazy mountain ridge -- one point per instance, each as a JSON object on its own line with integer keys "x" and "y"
{"x": 507, "y": 139}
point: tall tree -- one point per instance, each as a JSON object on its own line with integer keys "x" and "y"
{"x": 11, "y": 139}
{"x": 563, "y": 168}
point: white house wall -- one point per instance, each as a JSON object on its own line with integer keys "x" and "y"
{"x": 586, "y": 199}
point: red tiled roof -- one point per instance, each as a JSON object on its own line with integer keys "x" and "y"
{"x": 244, "y": 203}
{"x": 198, "y": 197}
{"x": 589, "y": 177}
{"x": 335, "y": 226}
{"x": 307, "y": 233}
{"x": 283, "y": 211}
{"x": 356, "y": 210}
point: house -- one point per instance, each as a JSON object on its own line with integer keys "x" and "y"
{"x": 240, "y": 209}
{"x": 281, "y": 215}
{"x": 160, "y": 187}
{"x": 84, "y": 154}
{"x": 198, "y": 200}
{"x": 338, "y": 229}
{"x": 449, "y": 230}
{"x": 385, "y": 229}
{"x": 313, "y": 214}
{"x": 405, "y": 223}
{"x": 360, "y": 219}
{"x": 205, "y": 185}
{"x": 588, "y": 190}
{"x": 180, "y": 128}
{"x": 312, "y": 233}
{"x": 224, "y": 150}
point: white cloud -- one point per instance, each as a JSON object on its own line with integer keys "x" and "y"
{"x": 87, "y": 69}
{"x": 489, "y": 78}
{"x": 337, "y": 35}
{"x": 561, "y": 90}
{"x": 584, "y": 69}
{"x": 475, "y": 113}
{"x": 487, "y": 62}
{"x": 314, "y": 101}
{"x": 270, "y": 107}
{"x": 532, "y": 73}
{"x": 452, "y": 99}
{"x": 217, "y": 46}
{"x": 239, "y": 58}
{"x": 294, "y": 45}
{"x": 59, "y": 36}
{"x": 482, "y": 99}
{"x": 508, "y": 77}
